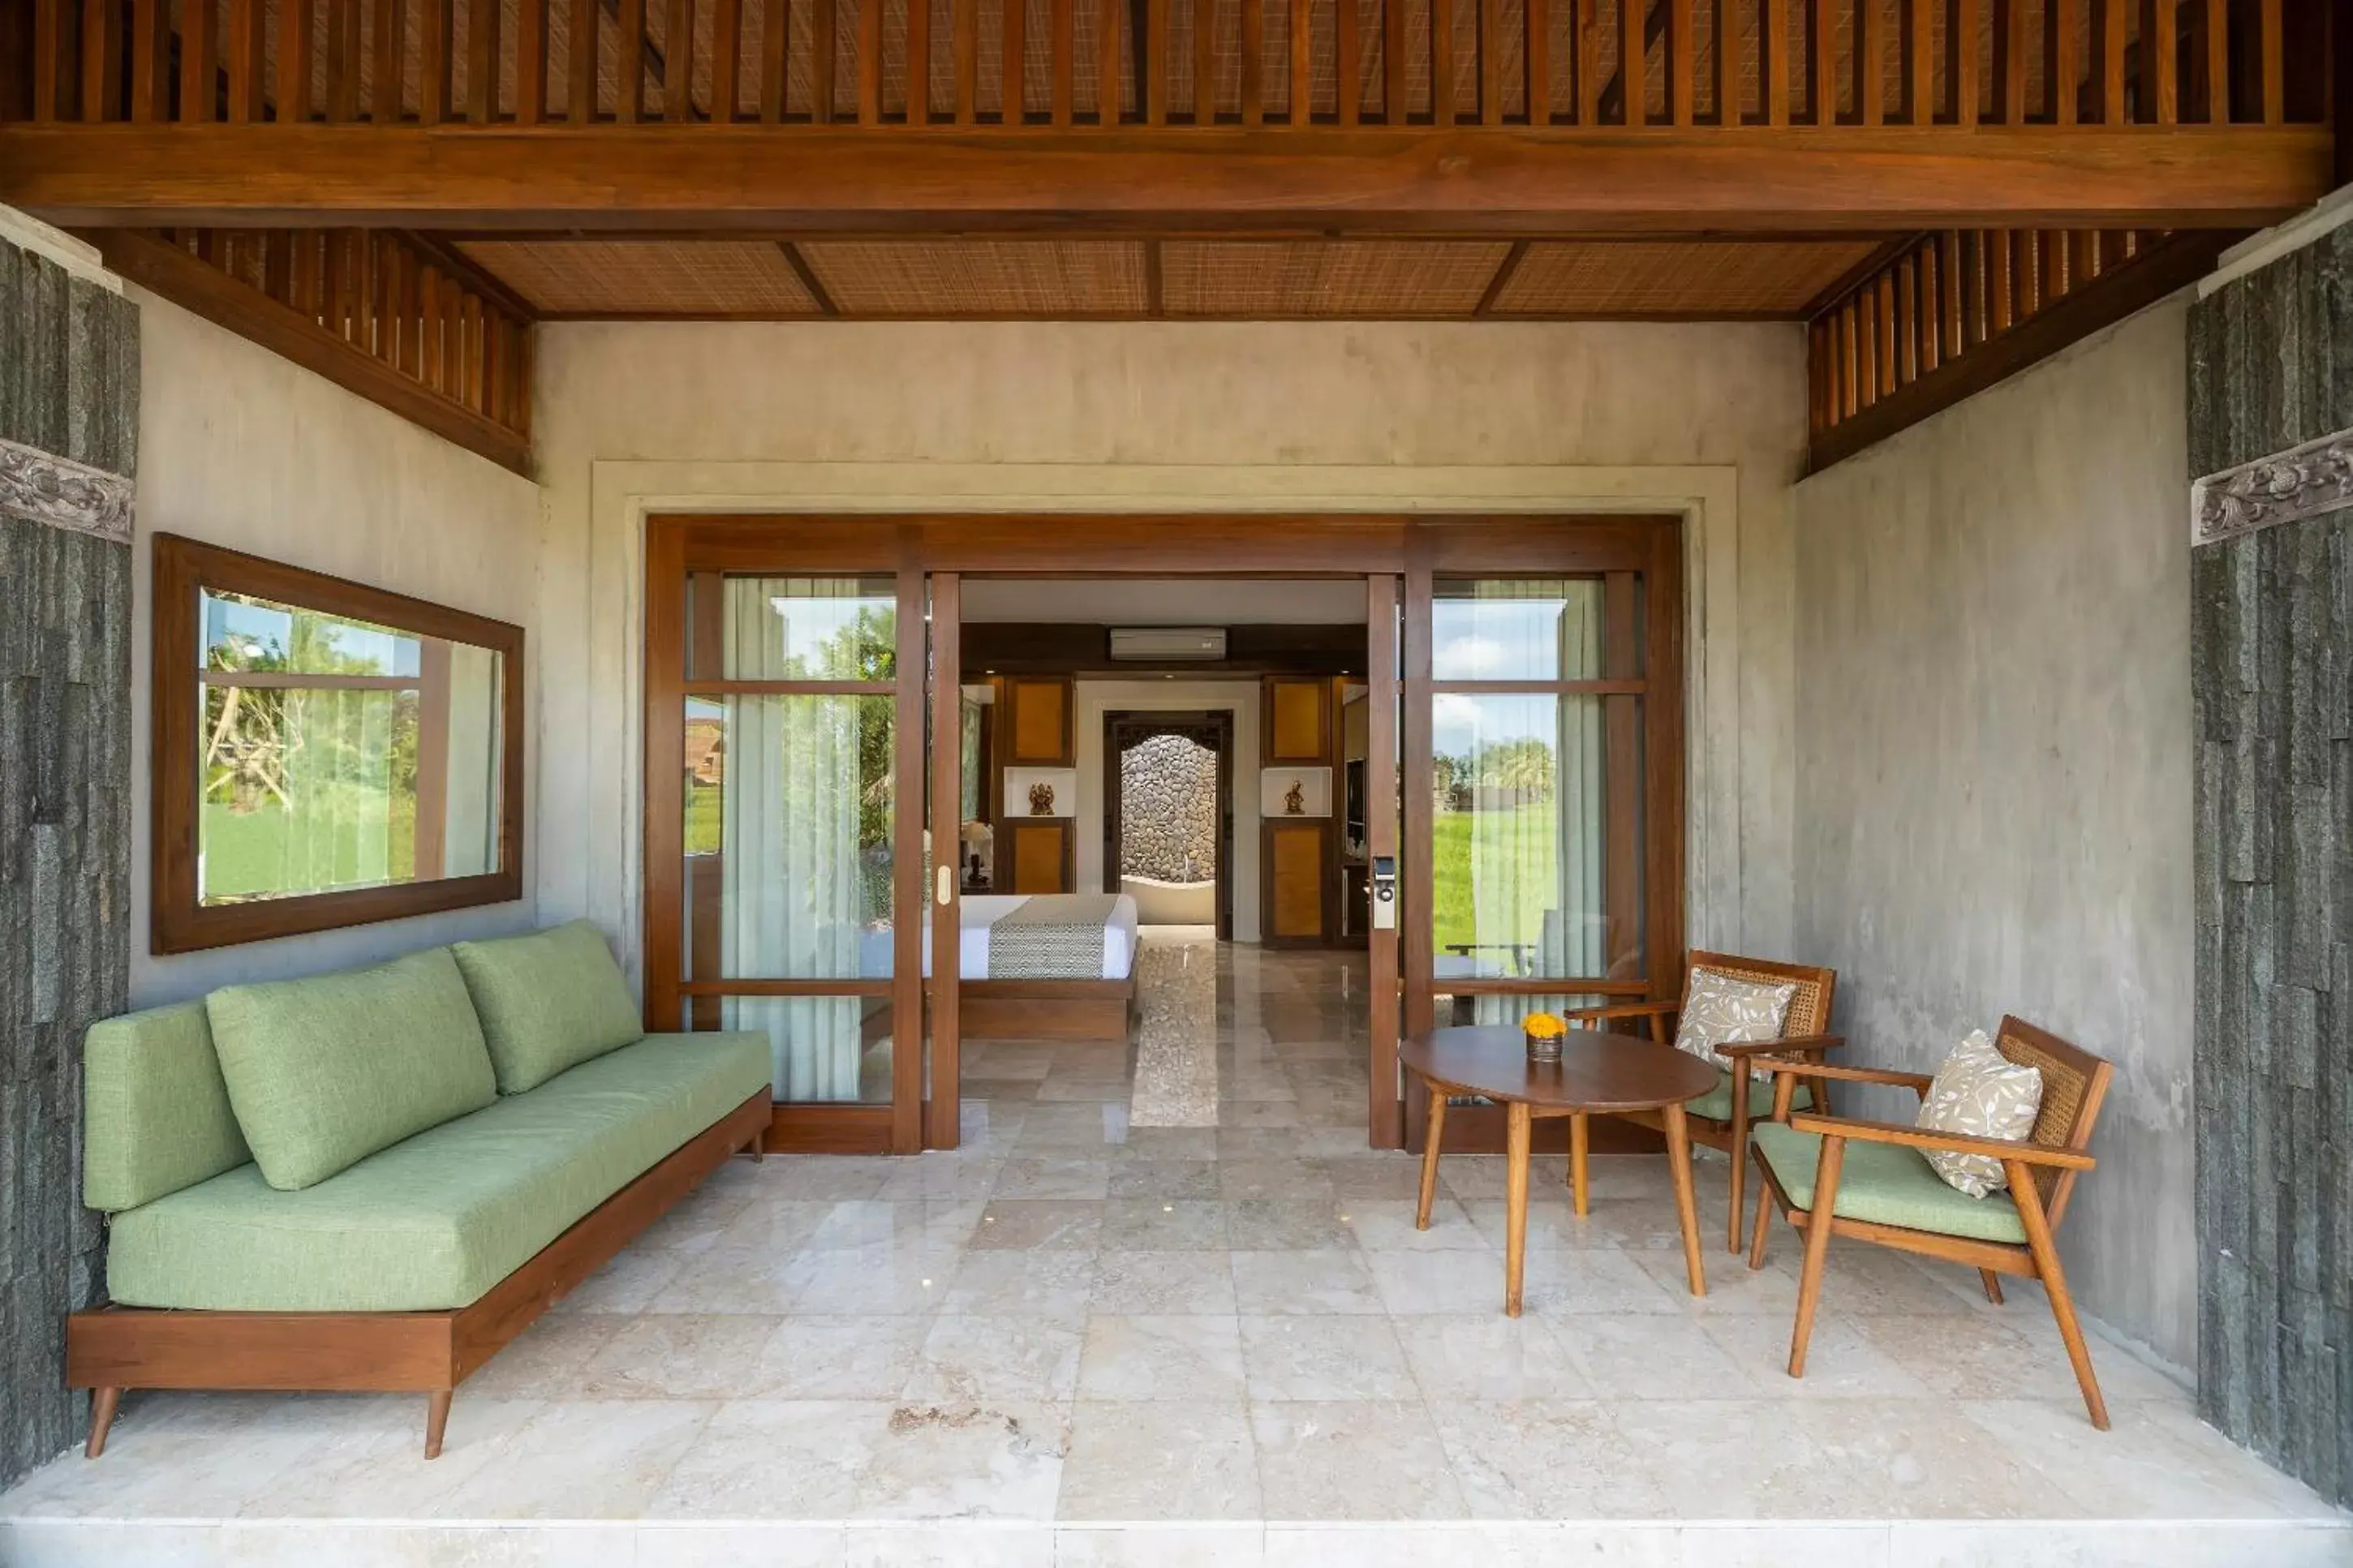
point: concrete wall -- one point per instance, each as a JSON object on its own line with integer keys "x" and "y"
{"x": 632, "y": 416}
{"x": 1993, "y": 783}
{"x": 242, "y": 448}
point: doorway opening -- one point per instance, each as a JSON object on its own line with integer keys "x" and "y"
{"x": 1168, "y": 817}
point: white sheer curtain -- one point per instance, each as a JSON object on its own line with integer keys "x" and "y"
{"x": 1535, "y": 874}
{"x": 791, "y": 889}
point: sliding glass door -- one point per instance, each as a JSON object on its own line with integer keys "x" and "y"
{"x": 784, "y": 885}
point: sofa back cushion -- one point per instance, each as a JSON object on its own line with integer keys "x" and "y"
{"x": 325, "y": 1071}
{"x": 155, "y": 1112}
{"x": 548, "y": 1001}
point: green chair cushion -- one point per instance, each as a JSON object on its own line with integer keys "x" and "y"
{"x": 1886, "y": 1184}
{"x": 548, "y": 1001}
{"x": 155, "y": 1113}
{"x": 435, "y": 1222}
{"x": 1717, "y": 1103}
{"x": 327, "y": 1070}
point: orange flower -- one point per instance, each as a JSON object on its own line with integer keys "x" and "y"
{"x": 1543, "y": 1025}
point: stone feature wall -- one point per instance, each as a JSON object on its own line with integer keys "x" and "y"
{"x": 2271, "y": 366}
{"x": 69, "y": 391}
{"x": 1168, "y": 810}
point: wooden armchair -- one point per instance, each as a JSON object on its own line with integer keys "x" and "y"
{"x": 1719, "y": 1118}
{"x": 1882, "y": 1190}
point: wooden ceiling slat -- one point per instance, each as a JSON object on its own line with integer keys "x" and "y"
{"x": 1676, "y": 278}
{"x": 1335, "y": 278}
{"x": 981, "y": 277}
{"x": 649, "y": 278}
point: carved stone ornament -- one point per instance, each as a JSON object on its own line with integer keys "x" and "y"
{"x": 2302, "y": 482}
{"x": 1041, "y": 799}
{"x": 1294, "y": 799}
{"x": 41, "y": 487}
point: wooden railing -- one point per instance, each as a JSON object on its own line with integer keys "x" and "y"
{"x": 1950, "y": 313}
{"x": 394, "y": 317}
{"x": 1063, "y": 63}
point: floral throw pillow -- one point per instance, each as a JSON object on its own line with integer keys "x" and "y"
{"x": 1984, "y": 1094}
{"x": 1719, "y": 1010}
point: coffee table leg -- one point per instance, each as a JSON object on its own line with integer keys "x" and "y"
{"x": 1576, "y": 1148}
{"x": 1515, "y": 1204}
{"x": 1429, "y": 1156}
{"x": 1686, "y": 1203}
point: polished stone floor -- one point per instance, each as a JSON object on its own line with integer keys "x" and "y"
{"x": 1165, "y": 1308}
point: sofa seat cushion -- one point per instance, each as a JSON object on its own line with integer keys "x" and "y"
{"x": 1887, "y": 1184}
{"x": 1717, "y": 1103}
{"x": 437, "y": 1220}
{"x": 548, "y": 1001}
{"x": 324, "y": 1071}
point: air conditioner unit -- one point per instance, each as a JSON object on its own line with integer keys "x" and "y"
{"x": 1168, "y": 645}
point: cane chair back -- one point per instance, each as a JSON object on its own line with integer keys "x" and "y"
{"x": 2074, "y": 1083}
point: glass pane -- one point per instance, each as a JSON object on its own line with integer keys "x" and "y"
{"x": 1518, "y": 836}
{"x": 1506, "y": 1008}
{"x": 788, "y": 837}
{"x": 244, "y": 633}
{"x": 1518, "y": 628}
{"x": 793, "y": 628}
{"x": 338, "y": 755}
{"x": 824, "y": 1049}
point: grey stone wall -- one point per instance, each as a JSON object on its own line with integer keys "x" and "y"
{"x": 1168, "y": 810}
{"x": 69, "y": 388}
{"x": 2271, "y": 365}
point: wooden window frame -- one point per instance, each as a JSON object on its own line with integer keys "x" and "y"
{"x": 178, "y": 921}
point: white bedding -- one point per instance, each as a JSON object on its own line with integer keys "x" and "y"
{"x": 979, "y": 911}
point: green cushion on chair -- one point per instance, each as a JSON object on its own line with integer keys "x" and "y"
{"x": 1717, "y": 1103}
{"x": 155, "y": 1114}
{"x": 1886, "y": 1184}
{"x": 548, "y": 1002}
{"x": 325, "y": 1071}
{"x": 434, "y": 1222}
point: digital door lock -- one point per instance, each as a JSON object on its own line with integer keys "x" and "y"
{"x": 1384, "y": 884}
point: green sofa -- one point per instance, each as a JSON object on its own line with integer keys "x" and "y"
{"x": 418, "y": 1157}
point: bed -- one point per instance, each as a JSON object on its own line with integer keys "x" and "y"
{"x": 1043, "y": 966}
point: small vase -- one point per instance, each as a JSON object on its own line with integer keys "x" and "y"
{"x": 1544, "y": 1048}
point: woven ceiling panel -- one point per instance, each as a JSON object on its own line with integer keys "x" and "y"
{"x": 1643, "y": 278}
{"x": 980, "y": 276}
{"x": 647, "y": 277}
{"x": 1327, "y": 277}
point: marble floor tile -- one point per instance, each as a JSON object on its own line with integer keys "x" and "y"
{"x": 1544, "y": 1458}
{"x": 1164, "y": 1225}
{"x": 840, "y": 1358}
{"x": 770, "y": 1459}
{"x": 1841, "y": 1363}
{"x": 1356, "y": 1459}
{"x": 1182, "y": 1458}
{"x": 1165, "y": 1179}
{"x": 903, "y": 1279}
{"x": 1055, "y": 1177}
{"x": 965, "y": 1461}
{"x": 1487, "y": 1356}
{"x": 1311, "y": 1280}
{"x": 1324, "y": 1358}
{"x": 1161, "y": 1357}
{"x": 1296, "y": 1178}
{"x": 1280, "y": 1224}
{"x": 677, "y": 1356}
{"x": 1048, "y": 1285}
{"x": 1042, "y": 1223}
{"x": 1161, "y": 1282}
{"x": 1387, "y": 1224}
{"x": 983, "y": 1361}
{"x": 583, "y": 1460}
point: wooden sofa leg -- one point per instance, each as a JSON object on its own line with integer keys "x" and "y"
{"x": 1992, "y": 1285}
{"x": 436, "y": 1419}
{"x": 758, "y": 1147}
{"x": 103, "y": 1401}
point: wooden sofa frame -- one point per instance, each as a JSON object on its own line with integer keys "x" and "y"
{"x": 111, "y": 1349}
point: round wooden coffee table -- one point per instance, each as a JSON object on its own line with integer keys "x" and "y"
{"x": 1597, "y": 1072}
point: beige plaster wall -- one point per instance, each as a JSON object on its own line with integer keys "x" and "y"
{"x": 242, "y": 448}
{"x": 632, "y": 416}
{"x": 1993, "y": 783}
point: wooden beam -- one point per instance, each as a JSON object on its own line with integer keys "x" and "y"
{"x": 1503, "y": 181}
{"x": 2175, "y": 263}
{"x": 283, "y": 329}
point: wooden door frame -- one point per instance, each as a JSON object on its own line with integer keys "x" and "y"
{"x": 1397, "y": 555}
{"x": 1148, "y": 724}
